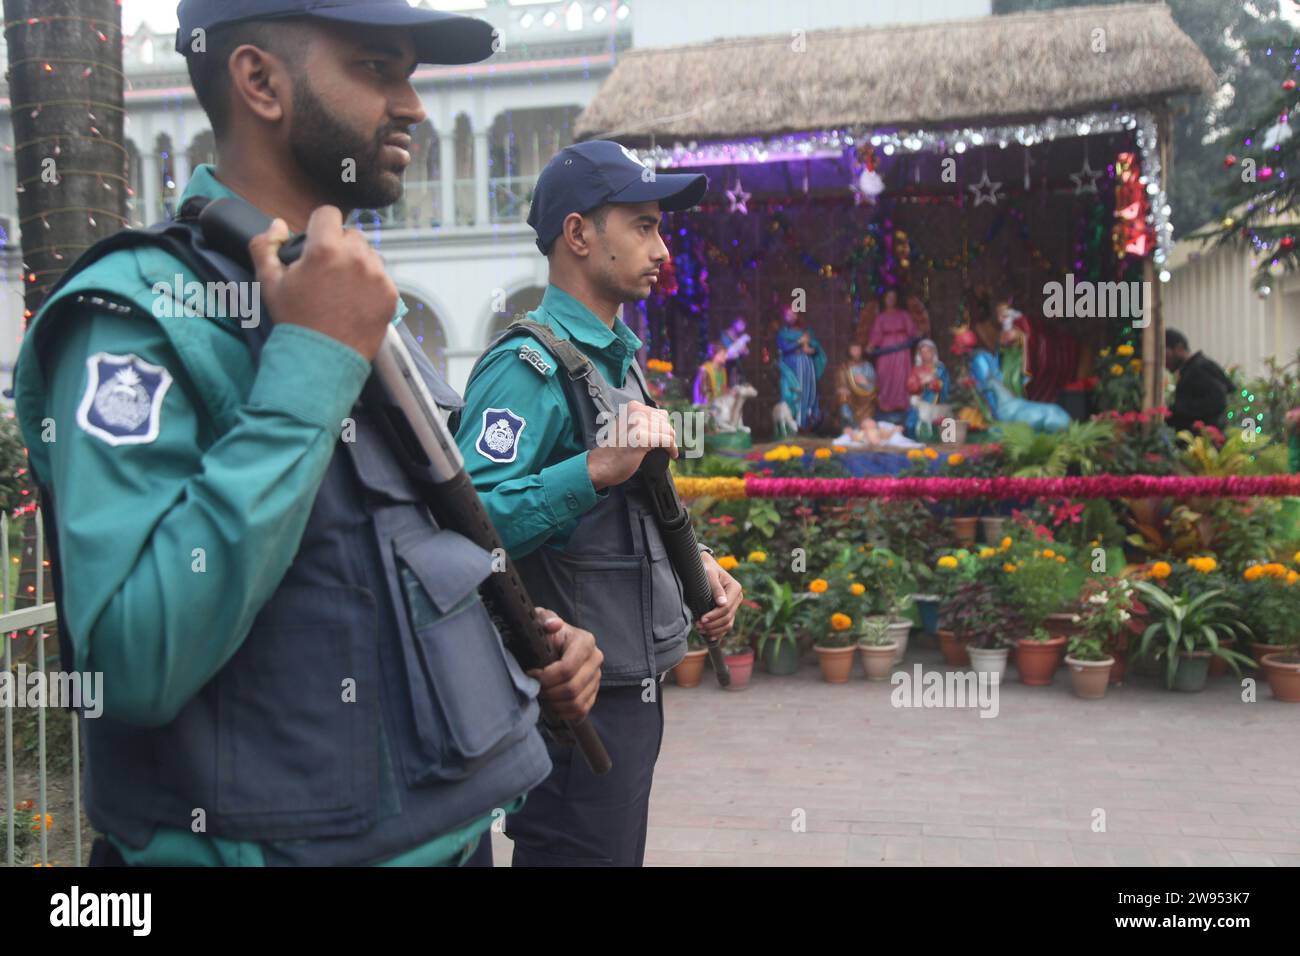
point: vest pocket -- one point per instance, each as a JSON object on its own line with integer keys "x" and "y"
{"x": 470, "y": 699}
{"x": 669, "y": 618}
{"x": 612, "y": 595}
{"x": 297, "y": 716}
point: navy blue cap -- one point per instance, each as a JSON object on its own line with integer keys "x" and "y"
{"x": 585, "y": 176}
{"x": 439, "y": 37}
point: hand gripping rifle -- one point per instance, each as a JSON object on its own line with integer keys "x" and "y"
{"x": 425, "y": 445}
{"x": 683, "y": 549}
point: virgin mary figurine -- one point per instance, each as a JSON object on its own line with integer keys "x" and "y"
{"x": 802, "y": 362}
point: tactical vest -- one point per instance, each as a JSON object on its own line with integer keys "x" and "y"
{"x": 441, "y": 725}
{"x": 613, "y": 577}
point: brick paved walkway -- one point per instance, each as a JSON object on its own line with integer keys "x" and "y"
{"x": 1184, "y": 779}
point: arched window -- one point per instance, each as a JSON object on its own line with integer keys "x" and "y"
{"x": 136, "y": 214}
{"x": 522, "y": 302}
{"x": 166, "y": 176}
{"x": 203, "y": 149}
{"x": 521, "y": 143}
{"x": 427, "y": 329}
{"x": 464, "y": 152}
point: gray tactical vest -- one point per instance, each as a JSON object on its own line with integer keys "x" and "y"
{"x": 613, "y": 577}
{"x": 442, "y": 724}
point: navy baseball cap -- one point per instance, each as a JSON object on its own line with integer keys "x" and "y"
{"x": 585, "y": 176}
{"x": 439, "y": 37}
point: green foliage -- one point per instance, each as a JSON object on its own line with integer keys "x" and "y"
{"x": 784, "y": 613}
{"x": 1040, "y": 585}
{"x": 978, "y": 613}
{"x": 1077, "y": 450}
{"x": 1238, "y": 456}
{"x": 1180, "y": 625}
{"x": 14, "y": 476}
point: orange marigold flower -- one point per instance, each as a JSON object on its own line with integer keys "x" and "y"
{"x": 818, "y": 586}
{"x": 956, "y": 458}
{"x": 1160, "y": 569}
{"x": 841, "y": 622}
{"x": 857, "y": 589}
{"x": 728, "y": 562}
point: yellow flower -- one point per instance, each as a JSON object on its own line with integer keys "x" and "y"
{"x": 1296, "y": 557}
{"x": 1006, "y": 543}
{"x": 841, "y": 622}
{"x": 1135, "y": 365}
{"x": 914, "y": 454}
{"x": 36, "y": 821}
{"x": 1049, "y": 553}
{"x": 1292, "y": 577}
{"x": 822, "y": 453}
{"x": 1124, "y": 351}
{"x": 1253, "y": 572}
{"x": 818, "y": 586}
{"x": 727, "y": 562}
{"x": 956, "y": 458}
{"x": 1060, "y": 559}
{"x": 948, "y": 561}
{"x": 795, "y": 451}
{"x": 839, "y": 450}
{"x": 930, "y": 453}
{"x": 758, "y": 556}
{"x": 1117, "y": 370}
{"x": 857, "y": 590}
{"x": 1009, "y": 568}
{"x": 1274, "y": 570}
{"x": 987, "y": 552}
{"x": 1160, "y": 569}
{"x": 1203, "y": 565}
{"x": 1037, "y": 553}
{"x": 1104, "y": 352}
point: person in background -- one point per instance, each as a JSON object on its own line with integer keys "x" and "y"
{"x": 1202, "y": 391}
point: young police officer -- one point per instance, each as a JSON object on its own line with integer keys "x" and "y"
{"x": 297, "y": 668}
{"x": 565, "y": 492}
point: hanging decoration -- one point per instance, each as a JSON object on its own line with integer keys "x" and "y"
{"x": 978, "y": 189}
{"x": 867, "y": 184}
{"x": 739, "y": 199}
{"x": 1088, "y": 173}
{"x": 1132, "y": 235}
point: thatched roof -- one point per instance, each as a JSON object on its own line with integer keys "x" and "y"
{"x": 1001, "y": 68}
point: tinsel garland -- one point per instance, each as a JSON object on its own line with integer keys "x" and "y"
{"x": 999, "y": 488}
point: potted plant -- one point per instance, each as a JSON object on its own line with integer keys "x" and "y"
{"x": 784, "y": 619}
{"x": 877, "y": 647}
{"x": 983, "y": 628}
{"x": 739, "y": 655}
{"x": 1283, "y": 672}
{"x": 1184, "y": 632}
{"x": 889, "y": 581}
{"x": 834, "y": 645}
{"x": 1089, "y": 665}
{"x": 1110, "y": 613}
{"x": 1034, "y": 584}
{"x": 1268, "y": 604}
{"x": 690, "y": 670}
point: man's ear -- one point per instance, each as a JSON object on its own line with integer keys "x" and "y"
{"x": 260, "y": 83}
{"x": 573, "y": 234}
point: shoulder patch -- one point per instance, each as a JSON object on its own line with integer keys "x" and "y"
{"x": 536, "y": 359}
{"x": 498, "y": 439}
{"x": 123, "y": 400}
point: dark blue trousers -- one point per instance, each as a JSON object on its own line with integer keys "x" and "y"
{"x": 578, "y": 819}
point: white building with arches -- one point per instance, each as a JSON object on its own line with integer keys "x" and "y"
{"x": 457, "y": 244}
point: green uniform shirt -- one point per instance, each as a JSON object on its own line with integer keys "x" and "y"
{"x": 236, "y": 458}
{"x": 533, "y": 478}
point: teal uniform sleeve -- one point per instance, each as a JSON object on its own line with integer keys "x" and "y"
{"x": 543, "y": 488}
{"x": 169, "y": 549}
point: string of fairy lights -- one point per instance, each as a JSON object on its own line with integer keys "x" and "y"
{"x": 59, "y": 68}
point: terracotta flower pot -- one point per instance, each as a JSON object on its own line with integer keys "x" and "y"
{"x": 989, "y": 660}
{"x": 1260, "y": 651}
{"x": 878, "y": 660}
{"x": 1037, "y": 661}
{"x": 1218, "y": 666}
{"x": 899, "y": 631}
{"x": 690, "y": 670}
{"x": 1089, "y": 678}
{"x": 836, "y": 663}
{"x": 964, "y": 530}
{"x": 1062, "y": 625}
{"x": 741, "y": 667}
{"x": 1283, "y": 672}
{"x": 954, "y": 649}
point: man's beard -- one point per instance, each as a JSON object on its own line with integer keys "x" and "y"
{"x": 321, "y": 144}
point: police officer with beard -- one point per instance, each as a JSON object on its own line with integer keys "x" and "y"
{"x": 297, "y": 666}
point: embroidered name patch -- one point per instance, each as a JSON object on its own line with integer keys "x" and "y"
{"x": 123, "y": 400}
{"x": 535, "y": 359}
{"x": 499, "y": 439}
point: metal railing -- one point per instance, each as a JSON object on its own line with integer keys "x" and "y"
{"x": 37, "y": 619}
